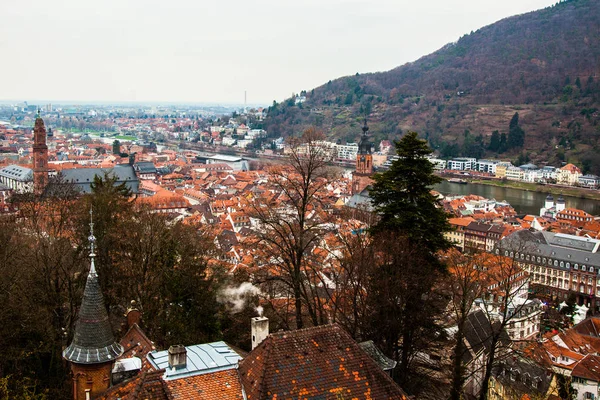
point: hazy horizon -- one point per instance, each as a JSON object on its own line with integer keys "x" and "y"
{"x": 185, "y": 52}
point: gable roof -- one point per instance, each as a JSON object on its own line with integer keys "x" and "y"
{"x": 146, "y": 385}
{"x": 320, "y": 362}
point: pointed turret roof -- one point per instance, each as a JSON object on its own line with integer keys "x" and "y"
{"x": 93, "y": 342}
{"x": 364, "y": 147}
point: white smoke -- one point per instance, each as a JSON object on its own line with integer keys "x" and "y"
{"x": 260, "y": 311}
{"x": 235, "y": 297}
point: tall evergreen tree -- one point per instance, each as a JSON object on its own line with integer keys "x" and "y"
{"x": 408, "y": 234}
{"x": 516, "y": 135}
{"x": 402, "y": 197}
{"x": 494, "y": 142}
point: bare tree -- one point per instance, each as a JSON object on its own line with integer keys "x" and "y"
{"x": 289, "y": 222}
{"x": 464, "y": 287}
{"x": 504, "y": 300}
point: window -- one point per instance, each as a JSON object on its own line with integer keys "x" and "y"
{"x": 544, "y": 260}
{"x": 527, "y": 258}
{"x": 568, "y": 265}
{"x": 538, "y": 259}
{"x": 576, "y": 266}
{"x": 591, "y": 269}
{"x": 583, "y": 267}
{"x": 556, "y": 263}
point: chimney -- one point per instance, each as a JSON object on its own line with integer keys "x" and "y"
{"x": 177, "y": 356}
{"x": 260, "y": 330}
{"x": 133, "y": 315}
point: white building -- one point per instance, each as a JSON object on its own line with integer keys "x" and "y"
{"x": 228, "y": 141}
{"x": 237, "y": 163}
{"x": 17, "y": 178}
{"x": 488, "y": 166}
{"x": 438, "y": 164}
{"x": 347, "y": 151}
{"x": 462, "y": 164}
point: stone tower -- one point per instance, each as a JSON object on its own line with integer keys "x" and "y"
{"x": 93, "y": 350}
{"x": 40, "y": 156}
{"x": 361, "y": 178}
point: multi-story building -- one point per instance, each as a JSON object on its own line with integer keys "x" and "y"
{"x": 488, "y": 166}
{"x": 438, "y": 164}
{"x": 17, "y": 178}
{"x": 347, "y": 151}
{"x": 475, "y": 236}
{"x": 558, "y": 264}
{"x": 549, "y": 172}
{"x": 514, "y": 173}
{"x": 462, "y": 164}
{"x": 457, "y": 235}
{"x": 589, "y": 181}
{"x": 568, "y": 175}
{"x": 501, "y": 168}
{"x": 574, "y": 216}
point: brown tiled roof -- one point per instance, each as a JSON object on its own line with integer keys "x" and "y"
{"x": 588, "y": 368}
{"x": 136, "y": 344}
{"x": 146, "y": 385}
{"x": 322, "y": 362}
{"x": 222, "y": 385}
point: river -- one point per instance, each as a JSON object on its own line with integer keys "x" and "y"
{"x": 524, "y": 202}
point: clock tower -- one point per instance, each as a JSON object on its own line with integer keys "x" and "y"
{"x": 361, "y": 178}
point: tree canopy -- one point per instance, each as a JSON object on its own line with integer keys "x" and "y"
{"x": 402, "y": 196}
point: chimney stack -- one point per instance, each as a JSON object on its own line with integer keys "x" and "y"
{"x": 260, "y": 330}
{"x": 177, "y": 356}
{"x": 133, "y": 315}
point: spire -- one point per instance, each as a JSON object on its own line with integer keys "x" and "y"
{"x": 92, "y": 240}
{"x": 93, "y": 341}
{"x": 364, "y": 146}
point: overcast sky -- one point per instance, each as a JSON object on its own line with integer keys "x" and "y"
{"x": 214, "y": 50}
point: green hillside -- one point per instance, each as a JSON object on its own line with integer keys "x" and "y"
{"x": 543, "y": 65}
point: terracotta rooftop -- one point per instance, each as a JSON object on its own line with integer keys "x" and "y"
{"x": 321, "y": 362}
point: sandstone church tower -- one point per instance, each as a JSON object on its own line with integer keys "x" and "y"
{"x": 361, "y": 178}
{"x": 93, "y": 350}
{"x": 40, "y": 156}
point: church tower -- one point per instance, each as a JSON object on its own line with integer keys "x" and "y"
{"x": 40, "y": 156}
{"x": 361, "y": 178}
{"x": 93, "y": 350}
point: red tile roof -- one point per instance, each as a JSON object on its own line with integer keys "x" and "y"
{"x": 222, "y": 385}
{"x": 321, "y": 362}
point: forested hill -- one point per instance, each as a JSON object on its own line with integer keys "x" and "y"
{"x": 545, "y": 65}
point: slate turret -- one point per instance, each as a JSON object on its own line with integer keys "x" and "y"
{"x": 93, "y": 350}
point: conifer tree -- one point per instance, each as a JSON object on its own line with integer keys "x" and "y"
{"x": 402, "y": 197}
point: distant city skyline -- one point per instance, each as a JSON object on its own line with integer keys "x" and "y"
{"x": 185, "y": 51}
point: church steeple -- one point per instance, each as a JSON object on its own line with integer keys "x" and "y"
{"x": 40, "y": 156}
{"x": 364, "y": 147}
{"x": 361, "y": 178}
{"x": 93, "y": 349}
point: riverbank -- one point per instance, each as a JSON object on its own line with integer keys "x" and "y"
{"x": 534, "y": 187}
